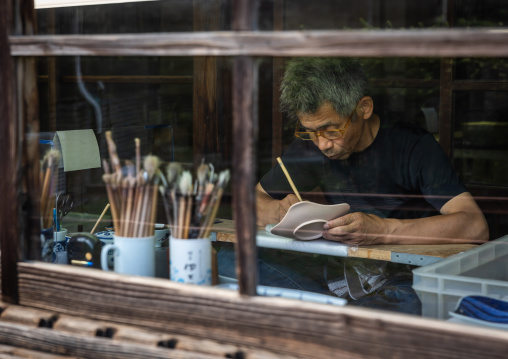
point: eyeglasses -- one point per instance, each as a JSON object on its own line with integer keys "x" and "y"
{"x": 328, "y": 134}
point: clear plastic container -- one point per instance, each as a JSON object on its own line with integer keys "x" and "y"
{"x": 481, "y": 271}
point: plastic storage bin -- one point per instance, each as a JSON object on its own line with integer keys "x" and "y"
{"x": 482, "y": 271}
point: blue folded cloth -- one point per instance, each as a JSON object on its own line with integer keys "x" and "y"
{"x": 484, "y": 308}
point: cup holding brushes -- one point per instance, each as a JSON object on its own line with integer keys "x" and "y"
{"x": 132, "y": 193}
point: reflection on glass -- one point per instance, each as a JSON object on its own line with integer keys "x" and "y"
{"x": 481, "y": 151}
{"x": 150, "y": 99}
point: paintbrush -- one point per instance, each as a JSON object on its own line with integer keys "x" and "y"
{"x": 51, "y": 160}
{"x": 221, "y": 184}
{"x": 173, "y": 173}
{"x": 151, "y": 165}
{"x": 185, "y": 187}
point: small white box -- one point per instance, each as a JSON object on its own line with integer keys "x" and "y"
{"x": 479, "y": 271}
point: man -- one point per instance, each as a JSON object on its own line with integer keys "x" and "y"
{"x": 397, "y": 180}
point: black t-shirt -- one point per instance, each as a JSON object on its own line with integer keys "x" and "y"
{"x": 404, "y": 173}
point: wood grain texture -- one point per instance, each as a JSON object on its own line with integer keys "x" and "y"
{"x": 126, "y": 79}
{"x": 33, "y": 319}
{"x": 205, "y": 112}
{"x": 384, "y": 252}
{"x": 283, "y": 326}
{"x": 353, "y": 43}
{"x": 245, "y": 134}
{"x": 10, "y": 153}
{"x": 225, "y": 232}
{"x": 65, "y": 344}
{"x": 10, "y": 352}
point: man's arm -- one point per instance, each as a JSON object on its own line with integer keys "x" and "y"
{"x": 270, "y": 210}
{"x": 461, "y": 221}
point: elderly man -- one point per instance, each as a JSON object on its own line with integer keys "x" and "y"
{"x": 396, "y": 178}
{"x": 398, "y": 181}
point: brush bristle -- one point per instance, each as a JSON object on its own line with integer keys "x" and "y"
{"x": 151, "y": 164}
{"x": 174, "y": 171}
{"x": 185, "y": 184}
{"x": 201, "y": 173}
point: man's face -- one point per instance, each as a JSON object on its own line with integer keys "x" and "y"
{"x": 326, "y": 118}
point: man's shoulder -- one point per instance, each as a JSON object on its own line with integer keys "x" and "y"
{"x": 405, "y": 128}
{"x": 405, "y": 133}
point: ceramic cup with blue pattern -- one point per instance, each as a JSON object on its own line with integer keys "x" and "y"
{"x": 190, "y": 260}
{"x": 60, "y": 246}
{"x": 106, "y": 237}
{"x": 161, "y": 235}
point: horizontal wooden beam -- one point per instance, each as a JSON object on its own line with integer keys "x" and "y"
{"x": 127, "y": 79}
{"x": 471, "y": 85}
{"x": 376, "y": 43}
{"x": 284, "y": 326}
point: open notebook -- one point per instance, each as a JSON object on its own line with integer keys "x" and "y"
{"x": 304, "y": 220}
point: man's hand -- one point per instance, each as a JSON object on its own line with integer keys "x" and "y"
{"x": 356, "y": 228}
{"x": 271, "y": 210}
{"x": 461, "y": 221}
{"x": 285, "y": 203}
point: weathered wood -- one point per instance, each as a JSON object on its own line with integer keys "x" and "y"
{"x": 245, "y": 15}
{"x": 245, "y": 132}
{"x": 9, "y": 155}
{"x": 10, "y": 352}
{"x": 278, "y": 73}
{"x": 129, "y": 79}
{"x": 26, "y": 316}
{"x": 245, "y": 136}
{"x": 385, "y": 252}
{"x": 378, "y": 43}
{"x": 225, "y": 232}
{"x": 52, "y": 76}
{"x": 205, "y": 112}
{"x": 57, "y": 342}
{"x": 28, "y": 132}
{"x": 84, "y": 327}
{"x": 283, "y": 326}
{"x": 468, "y": 85}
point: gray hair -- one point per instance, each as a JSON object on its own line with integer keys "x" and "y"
{"x": 308, "y": 83}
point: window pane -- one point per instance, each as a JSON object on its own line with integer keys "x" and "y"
{"x": 134, "y": 17}
{"x": 174, "y": 106}
{"x": 481, "y": 151}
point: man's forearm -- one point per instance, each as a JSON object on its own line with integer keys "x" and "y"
{"x": 461, "y": 221}
{"x": 458, "y": 227}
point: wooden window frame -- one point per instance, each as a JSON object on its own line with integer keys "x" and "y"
{"x": 282, "y": 326}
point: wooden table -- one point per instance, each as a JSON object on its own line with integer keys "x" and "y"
{"x": 419, "y": 255}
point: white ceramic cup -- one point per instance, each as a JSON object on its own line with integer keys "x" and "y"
{"x": 190, "y": 260}
{"x": 135, "y": 256}
{"x": 107, "y": 237}
{"x": 60, "y": 246}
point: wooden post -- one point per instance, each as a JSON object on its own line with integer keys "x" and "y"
{"x": 9, "y": 150}
{"x": 20, "y": 151}
{"x": 205, "y": 113}
{"x": 278, "y": 72}
{"x": 28, "y": 132}
{"x": 245, "y": 133}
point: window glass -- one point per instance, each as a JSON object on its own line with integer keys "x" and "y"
{"x": 481, "y": 152}
{"x": 180, "y": 108}
{"x": 365, "y": 14}
{"x": 134, "y": 17}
